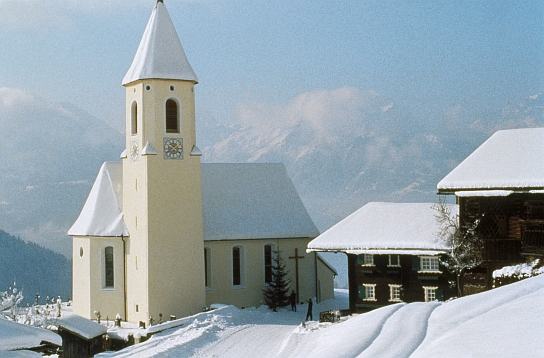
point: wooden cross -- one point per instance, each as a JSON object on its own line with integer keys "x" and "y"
{"x": 296, "y": 257}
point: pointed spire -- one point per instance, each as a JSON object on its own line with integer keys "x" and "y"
{"x": 160, "y": 54}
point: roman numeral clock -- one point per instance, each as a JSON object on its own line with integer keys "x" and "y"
{"x": 173, "y": 148}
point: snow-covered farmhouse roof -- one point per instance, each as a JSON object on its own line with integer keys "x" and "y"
{"x": 385, "y": 228}
{"x": 240, "y": 201}
{"x": 80, "y": 326}
{"x": 160, "y": 54}
{"x": 509, "y": 161}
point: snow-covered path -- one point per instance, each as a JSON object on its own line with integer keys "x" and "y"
{"x": 255, "y": 338}
{"x": 406, "y": 327}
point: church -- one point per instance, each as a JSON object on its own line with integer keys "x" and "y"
{"x": 162, "y": 234}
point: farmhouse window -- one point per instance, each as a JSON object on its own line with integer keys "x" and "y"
{"x": 430, "y": 293}
{"x": 369, "y": 292}
{"x": 365, "y": 260}
{"x": 429, "y": 264}
{"x": 395, "y": 293}
{"x": 394, "y": 260}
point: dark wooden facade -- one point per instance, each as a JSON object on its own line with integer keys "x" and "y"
{"x": 76, "y": 346}
{"x": 512, "y": 230}
{"x": 408, "y": 276}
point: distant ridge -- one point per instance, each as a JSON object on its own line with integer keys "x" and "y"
{"x": 35, "y": 269}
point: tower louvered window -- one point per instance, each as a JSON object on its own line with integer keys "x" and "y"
{"x": 172, "y": 116}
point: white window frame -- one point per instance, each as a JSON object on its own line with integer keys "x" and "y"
{"x": 104, "y": 265}
{"x": 370, "y": 292}
{"x": 395, "y": 293}
{"x": 429, "y": 264}
{"x": 368, "y": 260}
{"x": 430, "y": 293}
{"x": 242, "y": 284}
{"x": 398, "y": 260}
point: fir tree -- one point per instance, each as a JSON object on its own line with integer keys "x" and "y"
{"x": 276, "y": 294}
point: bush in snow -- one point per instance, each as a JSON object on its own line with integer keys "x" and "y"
{"x": 9, "y": 300}
{"x": 276, "y": 294}
{"x": 511, "y": 274}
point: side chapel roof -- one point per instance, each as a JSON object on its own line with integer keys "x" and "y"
{"x": 240, "y": 201}
{"x": 385, "y": 228}
{"x": 510, "y": 160}
{"x": 160, "y": 54}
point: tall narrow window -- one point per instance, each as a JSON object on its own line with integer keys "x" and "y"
{"x": 172, "y": 116}
{"x": 268, "y": 263}
{"x": 207, "y": 267}
{"x": 109, "y": 266}
{"x": 236, "y": 267}
{"x": 134, "y": 118}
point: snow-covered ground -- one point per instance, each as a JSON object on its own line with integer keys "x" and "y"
{"x": 505, "y": 322}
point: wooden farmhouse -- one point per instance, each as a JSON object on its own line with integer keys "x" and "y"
{"x": 394, "y": 254}
{"x": 500, "y": 191}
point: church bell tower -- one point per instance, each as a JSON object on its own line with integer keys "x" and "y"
{"x": 162, "y": 196}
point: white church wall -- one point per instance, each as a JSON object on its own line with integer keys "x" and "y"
{"x": 250, "y": 292}
{"x": 89, "y": 260}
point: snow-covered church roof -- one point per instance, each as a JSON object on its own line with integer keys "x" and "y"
{"x": 510, "y": 160}
{"x": 240, "y": 201}
{"x": 102, "y": 214}
{"x": 160, "y": 54}
{"x": 386, "y": 228}
{"x": 252, "y": 200}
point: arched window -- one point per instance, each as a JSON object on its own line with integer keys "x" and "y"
{"x": 108, "y": 256}
{"x": 268, "y": 258}
{"x": 237, "y": 266}
{"x": 172, "y": 116}
{"x": 134, "y": 118}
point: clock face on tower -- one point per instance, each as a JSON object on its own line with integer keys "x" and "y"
{"x": 134, "y": 151}
{"x": 173, "y": 148}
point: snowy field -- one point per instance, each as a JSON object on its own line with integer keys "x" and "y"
{"x": 505, "y": 322}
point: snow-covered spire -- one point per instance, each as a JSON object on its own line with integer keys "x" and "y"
{"x": 160, "y": 54}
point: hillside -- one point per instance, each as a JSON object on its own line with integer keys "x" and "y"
{"x": 35, "y": 269}
{"x": 504, "y": 322}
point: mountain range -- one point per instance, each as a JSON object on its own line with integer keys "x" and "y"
{"x": 342, "y": 148}
{"x": 34, "y": 270}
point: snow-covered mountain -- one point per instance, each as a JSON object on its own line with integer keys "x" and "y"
{"x": 346, "y": 147}
{"x": 342, "y": 148}
{"x": 49, "y": 155}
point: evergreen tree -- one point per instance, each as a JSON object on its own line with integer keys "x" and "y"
{"x": 276, "y": 294}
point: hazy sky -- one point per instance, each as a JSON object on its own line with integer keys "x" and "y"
{"x": 428, "y": 56}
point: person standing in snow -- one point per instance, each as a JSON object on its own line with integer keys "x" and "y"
{"x": 309, "y": 313}
{"x": 293, "y": 299}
